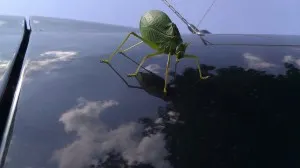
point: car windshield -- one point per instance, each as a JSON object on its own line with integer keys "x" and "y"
{"x": 208, "y": 99}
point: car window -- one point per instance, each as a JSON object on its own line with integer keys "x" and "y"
{"x": 74, "y": 111}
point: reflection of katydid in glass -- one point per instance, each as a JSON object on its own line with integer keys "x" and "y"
{"x": 161, "y": 34}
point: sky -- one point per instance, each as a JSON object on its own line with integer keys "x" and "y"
{"x": 227, "y": 16}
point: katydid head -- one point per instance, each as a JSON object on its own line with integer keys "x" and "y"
{"x": 180, "y": 50}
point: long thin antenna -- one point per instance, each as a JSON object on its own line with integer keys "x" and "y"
{"x": 190, "y": 26}
{"x": 206, "y": 13}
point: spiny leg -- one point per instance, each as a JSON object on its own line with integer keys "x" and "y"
{"x": 142, "y": 62}
{"x": 116, "y": 51}
{"x": 167, "y": 72}
{"x": 198, "y": 64}
{"x": 132, "y": 46}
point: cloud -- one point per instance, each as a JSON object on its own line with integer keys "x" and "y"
{"x": 153, "y": 68}
{"x": 256, "y": 62}
{"x": 290, "y": 59}
{"x": 2, "y": 22}
{"x": 160, "y": 55}
{"x": 35, "y": 21}
{"x": 49, "y": 59}
{"x": 3, "y": 65}
{"x": 149, "y": 150}
{"x": 95, "y": 140}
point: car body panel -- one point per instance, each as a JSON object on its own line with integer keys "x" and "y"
{"x": 48, "y": 24}
{"x": 74, "y": 110}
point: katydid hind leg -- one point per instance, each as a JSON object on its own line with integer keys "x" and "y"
{"x": 148, "y": 42}
{"x": 142, "y": 62}
{"x": 116, "y": 51}
{"x": 132, "y": 46}
{"x": 197, "y": 63}
{"x": 151, "y": 44}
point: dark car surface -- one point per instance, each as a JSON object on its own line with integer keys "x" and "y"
{"x": 75, "y": 112}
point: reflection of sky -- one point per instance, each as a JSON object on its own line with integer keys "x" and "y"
{"x": 11, "y": 24}
{"x": 155, "y": 68}
{"x": 96, "y": 140}
{"x": 256, "y": 62}
{"x": 72, "y": 26}
{"x": 35, "y": 21}
{"x": 10, "y": 33}
{"x": 3, "y": 66}
{"x": 49, "y": 60}
{"x": 2, "y": 22}
{"x": 292, "y": 60}
{"x": 56, "y": 129}
{"x": 77, "y": 73}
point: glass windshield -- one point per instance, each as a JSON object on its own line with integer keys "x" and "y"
{"x": 166, "y": 99}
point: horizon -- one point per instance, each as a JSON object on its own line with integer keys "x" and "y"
{"x": 225, "y": 17}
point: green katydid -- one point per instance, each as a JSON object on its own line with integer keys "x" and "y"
{"x": 161, "y": 34}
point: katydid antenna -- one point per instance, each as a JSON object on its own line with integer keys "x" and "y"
{"x": 202, "y": 33}
{"x": 212, "y": 4}
{"x": 190, "y": 26}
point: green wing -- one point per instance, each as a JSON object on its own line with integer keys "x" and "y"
{"x": 157, "y": 27}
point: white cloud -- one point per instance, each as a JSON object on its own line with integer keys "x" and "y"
{"x": 149, "y": 150}
{"x": 3, "y": 65}
{"x": 85, "y": 112}
{"x": 173, "y": 114}
{"x": 2, "y": 22}
{"x": 257, "y": 63}
{"x": 158, "y": 121}
{"x": 290, "y": 59}
{"x": 35, "y": 21}
{"x": 153, "y": 68}
{"x": 48, "y": 60}
{"x": 96, "y": 140}
{"x": 63, "y": 54}
{"x": 160, "y": 55}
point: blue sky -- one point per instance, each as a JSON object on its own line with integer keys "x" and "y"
{"x": 227, "y": 16}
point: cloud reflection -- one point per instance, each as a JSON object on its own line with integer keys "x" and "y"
{"x": 95, "y": 140}
{"x": 254, "y": 62}
{"x": 153, "y": 68}
{"x": 48, "y": 61}
{"x": 35, "y": 21}
{"x": 2, "y": 22}
{"x": 290, "y": 59}
{"x": 3, "y": 66}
